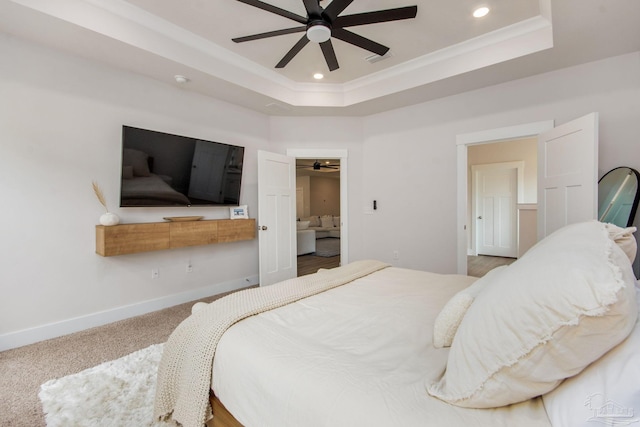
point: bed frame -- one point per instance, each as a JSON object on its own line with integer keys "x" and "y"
{"x": 223, "y": 417}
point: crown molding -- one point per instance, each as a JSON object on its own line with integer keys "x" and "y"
{"x": 128, "y": 24}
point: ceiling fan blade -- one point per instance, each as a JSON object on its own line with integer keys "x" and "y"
{"x": 357, "y": 40}
{"x": 269, "y": 34}
{"x": 293, "y": 52}
{"x": 276, "y": 10}
{"x": 335, "y": 8}
{"x": 329, "y": 55}
{"x": 313, "y": 8}
{"x": 377, "y": 16}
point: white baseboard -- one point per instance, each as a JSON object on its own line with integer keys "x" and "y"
{"x": 64, "y": 327}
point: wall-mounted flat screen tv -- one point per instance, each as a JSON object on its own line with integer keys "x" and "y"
{"x": 161, "y": 169}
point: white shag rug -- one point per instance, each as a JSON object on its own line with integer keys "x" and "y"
{"x": 117, "y": 393}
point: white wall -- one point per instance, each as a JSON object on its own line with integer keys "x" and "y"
{"x": 60, "y": 121}
{"x": 407, "y": 161}
{"x": 409, "y": 154}
{"x": 60, "y": 127}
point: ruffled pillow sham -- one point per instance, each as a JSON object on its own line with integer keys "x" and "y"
{"x": 547, "y": 316}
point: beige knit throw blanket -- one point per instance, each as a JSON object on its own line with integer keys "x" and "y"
{"x": 184, "y": 374}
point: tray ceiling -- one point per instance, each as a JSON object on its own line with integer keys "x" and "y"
{"x": 443, "y": 51}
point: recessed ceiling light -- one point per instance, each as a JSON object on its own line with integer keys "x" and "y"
{"x": 480, "y": 12}
{"x": 318, "y": 76}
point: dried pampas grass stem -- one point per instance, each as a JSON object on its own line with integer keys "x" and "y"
{"x": 100, "y": 195}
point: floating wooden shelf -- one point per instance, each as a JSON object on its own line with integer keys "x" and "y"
{"x": 154, "y": 236}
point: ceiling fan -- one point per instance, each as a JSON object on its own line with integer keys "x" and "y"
{"x": 321, "y": 24}
{"x": 317, "y": 166}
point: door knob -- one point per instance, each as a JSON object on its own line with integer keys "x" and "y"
{"x": 480, "y": 217}
{"x": 264, "y": 227}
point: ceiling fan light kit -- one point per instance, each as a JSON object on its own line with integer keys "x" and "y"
{"x": 322, "y": 24}
{"x": 318, "y": 33}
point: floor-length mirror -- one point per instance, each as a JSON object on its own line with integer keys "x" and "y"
{"x": 618, "y": 196}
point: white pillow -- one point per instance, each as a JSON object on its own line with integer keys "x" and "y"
{"x": 336, "y": 221}
{"x": 625, "y": 239}
{"x": 314, "y": 221}
{"x": 326, "y": 222}
{"x": 302, "y": 225}
{"x": 565, "y": 303}
{"x": 610, "y": 382}
{"x": 449, "y": 318}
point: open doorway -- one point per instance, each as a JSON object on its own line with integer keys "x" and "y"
{"x": 317, "y": 214}
{"x": 465, "y": 236}
{"x": 321, "y": 208}
{"x": 502, "y": 183}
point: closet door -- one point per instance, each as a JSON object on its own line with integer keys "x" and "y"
{"x": 496, "y": 193}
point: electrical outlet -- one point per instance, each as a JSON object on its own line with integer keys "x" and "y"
{"x": 155, "y": 273}
{"x": 396, "y": 254}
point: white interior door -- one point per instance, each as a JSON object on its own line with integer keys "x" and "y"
{"x": 496, "y": 193}
{"x": 276, "y": 217}
{"x": 568, "y": 174}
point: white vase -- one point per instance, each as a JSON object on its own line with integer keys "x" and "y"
{"x": 109, "y": 218}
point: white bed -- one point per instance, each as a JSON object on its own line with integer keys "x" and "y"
{"x": 373, "y": 352}
{"x": 357, "y": 355}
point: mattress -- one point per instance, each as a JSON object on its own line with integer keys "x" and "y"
{"x": 357, "y": 355}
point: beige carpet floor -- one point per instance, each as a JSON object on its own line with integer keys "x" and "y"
{"x": 24, "y": 369}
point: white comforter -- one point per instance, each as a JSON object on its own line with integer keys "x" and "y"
{"x": 357, "y": 355}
